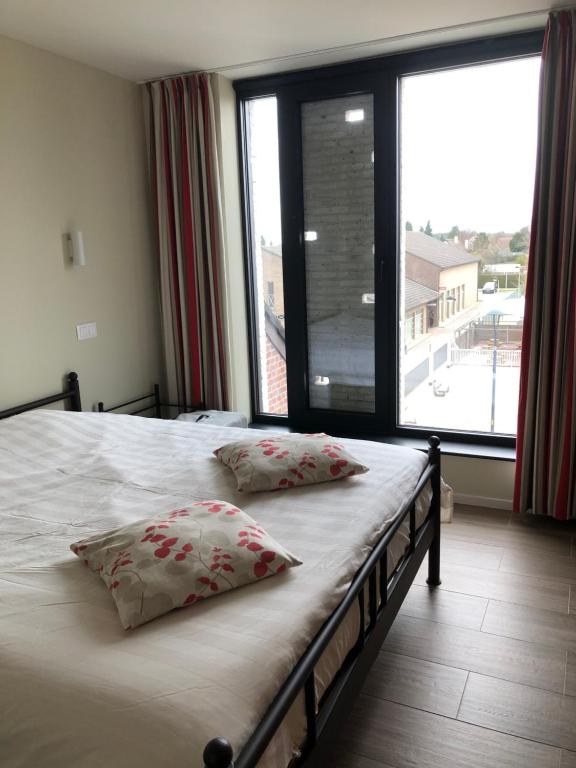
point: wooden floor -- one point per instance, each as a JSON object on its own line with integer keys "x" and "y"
{"x": 482, "y": 671}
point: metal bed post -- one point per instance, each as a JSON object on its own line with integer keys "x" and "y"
{"x": 157, "y": 405}
{"x": 434, "y": 551}
{"x": 218, "y": 753}
{"x": 75, "y": 390}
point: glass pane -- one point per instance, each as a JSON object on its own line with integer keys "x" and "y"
{"x": 338, "y": 143}
{"x": 267, "y": 253}
{"x": 468, "y": 148}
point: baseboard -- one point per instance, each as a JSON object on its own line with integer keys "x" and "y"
{"x": 482, "y": 501}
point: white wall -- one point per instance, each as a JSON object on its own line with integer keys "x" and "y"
{"x": 237, "y": 333}
{"x": 484, "y": 482}
{"x": 72, "y": 156}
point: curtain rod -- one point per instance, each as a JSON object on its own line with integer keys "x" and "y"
{"x": 366, "y": 44}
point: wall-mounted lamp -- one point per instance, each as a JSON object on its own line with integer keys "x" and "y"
{"x": 77, "y": 252}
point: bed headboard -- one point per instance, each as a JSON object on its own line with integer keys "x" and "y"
{"x": 71, "y": 393}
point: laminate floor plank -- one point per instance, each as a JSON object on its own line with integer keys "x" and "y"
{"x": 515, "y": 537}
{"x": 483, "y": 515}
{"x": 481, "y": 672}
{"x": 530, "y": 713}
{"x": 496, "y": 585}
{"x": 510, "y": 659}
{"x": 444, "y": 607}
{"x": 343, "y": 759}
{"x": 570, "y": 687}
{"x": 416, "y": 683}
{"x": 410, "y": 738}
{"x": 539, "y": 565}
{"x": 472, "y": 553}
{"x": 547, "y": 526}
{"x": 534, "y": 625}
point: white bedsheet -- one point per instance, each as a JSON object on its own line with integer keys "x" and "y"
{"x": 76, "y": 689}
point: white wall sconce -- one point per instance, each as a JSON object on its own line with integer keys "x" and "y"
{"x": 310, "y": 236}
{"x": 77, "y": 252}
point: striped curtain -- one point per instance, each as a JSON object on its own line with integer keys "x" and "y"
{"x": 546, "y": 444}
{"x": 185, "y": 184}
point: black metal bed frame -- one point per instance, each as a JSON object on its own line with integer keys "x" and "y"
{"x": 156, "y": 405}
{"x": 71, "y": 393}
{"x": 322, "y": 722}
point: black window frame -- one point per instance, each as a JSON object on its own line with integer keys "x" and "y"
{"x": 380, "y": 76}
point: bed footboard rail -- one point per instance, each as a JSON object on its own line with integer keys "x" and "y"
{"x": 385, "y": 595}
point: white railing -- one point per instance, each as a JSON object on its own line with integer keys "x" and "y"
{"x": 507, "y": 357}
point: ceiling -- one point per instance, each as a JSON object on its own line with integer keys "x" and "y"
{"x": 143, "y": 39}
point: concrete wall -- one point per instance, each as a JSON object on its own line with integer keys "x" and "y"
{"x": 72, "y": 156}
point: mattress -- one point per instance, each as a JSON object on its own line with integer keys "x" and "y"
{"x": 76, "y": 689}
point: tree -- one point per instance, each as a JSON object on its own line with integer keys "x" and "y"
{"x": 409, "y": 227}
{"x": 520, "y": 241}
{"x": 454, "y": 232}
{"x": 262, "y": 241}
{"x": 481, "y": 242}
{"x": 428, "y": 228}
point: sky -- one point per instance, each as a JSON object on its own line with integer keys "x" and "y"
{"x": 468, "y": 146}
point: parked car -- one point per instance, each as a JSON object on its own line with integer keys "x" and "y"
{"x": 490, "y": 287}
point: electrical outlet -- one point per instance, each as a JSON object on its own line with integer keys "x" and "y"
{"x": 86, "y": 331}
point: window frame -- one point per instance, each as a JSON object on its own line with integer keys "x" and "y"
{"x": 381, "y": 76}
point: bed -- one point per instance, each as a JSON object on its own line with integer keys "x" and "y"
{"x": 265, "y": 672}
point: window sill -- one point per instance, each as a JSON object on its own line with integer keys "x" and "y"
{"x": 453, "y": 448}
{"x": 449, "y": 447}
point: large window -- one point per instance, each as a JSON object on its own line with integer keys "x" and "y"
{"x": 388, "y": 210}
{"x": 269, "y": 348}
{"x": 467, "y": 177}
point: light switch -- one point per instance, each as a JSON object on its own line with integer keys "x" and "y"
{"x": 86, "y": 331}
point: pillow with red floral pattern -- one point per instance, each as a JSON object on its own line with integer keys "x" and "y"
{"x": 284, "y": 461}
{"x": 178, "y": 558}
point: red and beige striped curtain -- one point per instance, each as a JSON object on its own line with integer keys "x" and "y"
{"x": 546, "y": 444}
{"x": 185, "y": 185}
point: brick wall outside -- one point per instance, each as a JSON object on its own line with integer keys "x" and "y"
{"x": 276, "y": 370}
{"x": 339, "y": 207}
